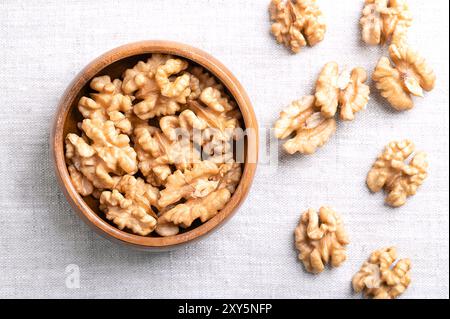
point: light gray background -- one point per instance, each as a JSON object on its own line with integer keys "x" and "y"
{"x": 44, "y": 44}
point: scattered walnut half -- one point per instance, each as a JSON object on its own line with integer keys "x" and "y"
{"x": 297, "y": 23}
{"x": 156, "y": 152}
{"x": 409, "y": 75}
{"x": 385, "y": 20}
{"x": 320, "y": 238}
{"x": 108, "y": 104}
{"x": 204, "y": 208}
{"x": 398, "y": 179}
{"x": 312, "y": 130}
{"x": 206, "y": 188}
{"x": 383, "y": 276}
{"x": 194, "y": 183}
{"x": 347, "y": 89}
{"x": 101, "y": 162}
{"x": 217, "y": 137}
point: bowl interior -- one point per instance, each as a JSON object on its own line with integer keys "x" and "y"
{"x": 90, "y": 205}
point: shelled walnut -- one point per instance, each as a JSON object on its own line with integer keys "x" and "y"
{"x": 205, "y": 79}
{"x": 312, "y": 130}
{"x": 408, "y": 75}
{"x": 383, "y": 21}
{"x": 347, "y": 90}
{"x": 101, "y": 162}
{"x": 312, "y": 118}
{"x": 206, "y": 188}
{"x": 383, "y": 276}
{"x": 390, "y": 172}
{"x": 320, "y": 239}
{"x": 297, "y": 23}
{"x": 156, "y": 152}
{"x": 146, "y": 150}
{"x": 108, "y": 104}
{"x": 203, "y": 208}
{"x": 130, "y": 203}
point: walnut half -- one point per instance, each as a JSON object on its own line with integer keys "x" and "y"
{"x": 312, "y": 130}
{"x": 383, "y": 276}
{"x": 385, "y": 20}
{"x": 321, "y": 238}
{"x": 129, "y": 205}
{"x": 398, "y": 179}
{"x": 409, "y": 75}
{"x": 143, "y": 146}
{"x": 347, "y": 90}
{"x": 297, "y": 23}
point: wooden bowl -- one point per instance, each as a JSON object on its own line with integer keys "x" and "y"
{"x": 113, "y": 63}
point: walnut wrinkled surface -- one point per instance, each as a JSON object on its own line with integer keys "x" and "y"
{"x": 109, "y": 103}
{"x": 408, "y": 75}
{"x": 156, "y": 152}
{"x": 81, "y": 183}
{"x": 320, "y": 238}
{"x": 297, "y": 23}
{"x": 347, "y": 90}
{"x": 108, "y": 156}
{"x": 205, "y": 79}
{"x": 113, "y": 148}
{"x": 383, "y": 276}
{"x": 194, "y": 183}
{"x": 156, "y": 147}
{"x": 141, "y": 81}
{"x": 355, "y": 96}
{"x": 128, "y": 205}
{"x": 311, "y": 129}
{"x": 165, "y": 228}
{"x": 203, "y": 208}
{"x": 385, "y": 21}
{"x": 228, "y": 176}
{"x": 179, "y": 89}
{"x": 216, "y": 139}
{"x": 398, "y": 179}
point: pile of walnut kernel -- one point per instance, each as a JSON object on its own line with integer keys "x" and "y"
{"x": 383, "y": 275}
{"x": 156, "y": 147}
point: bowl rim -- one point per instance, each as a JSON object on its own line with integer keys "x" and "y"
{"x": 141, "y": 48}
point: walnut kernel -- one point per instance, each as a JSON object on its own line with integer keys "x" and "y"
{"x": 173, "y": 113}
{"x": 311, "y": 129}
{"x": 297, "y": 23}
{"x": 409, "y": 75}
{"x": 383, "y": 276}
{"x": 390, "y": 172}
{"x": 347, "y": 90}
{"x": 385, "y": 20}
{"x": 320, "y": 239}
{"x": 132, "y": 210}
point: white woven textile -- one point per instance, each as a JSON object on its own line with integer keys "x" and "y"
{"x": 44, "y": 44}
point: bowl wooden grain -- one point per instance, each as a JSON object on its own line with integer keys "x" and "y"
{"x": 113, "y": 63}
